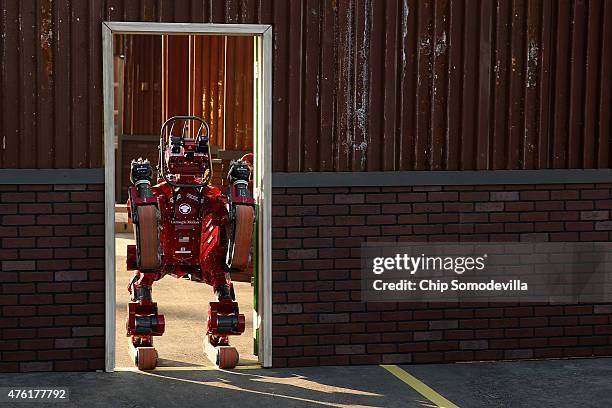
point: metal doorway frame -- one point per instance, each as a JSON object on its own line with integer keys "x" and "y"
{"x": 263, "y": 171}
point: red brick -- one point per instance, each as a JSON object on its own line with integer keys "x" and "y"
{"x": 70, "y": 275}
{"x": 318, "y": 350}
{"x": 443, "y": 196}
{"x": 579, "y": 205}
{"x": 9, "y": 276}
{"x": 474, "y": 196}
{"x": 87, "y": 331}
{"x": 521, "y": 332}
{"x": 578, "y": 352}
{"x": 302, "y": 340}
{"x": 332, "y": 231}
{"x": 381, "y": 219}
{"x": 488, "y": 355}
{"x": 603, "y": 329}
{"x": 34, "y": 366}
{"x": 334, "y": 317}
{"x": 458, "y": 334}
{"x": 19, "y": 311}
{"x": 350, "y": 198}
{"x": 404, "y": 358}
{"x": 396, "y": 208}
{"x": 8, "y": 231}
{"x": 350, "y": 349}
{"x": 519, "y": 206}
{"x": 548, "y": 352}
{"x": 317, "y": 307}
{"x": 551, "y": 206}
{"x": 18, "y": 242}
{"x": 518, "y": 354}
{"x": 71, "y": 365}
{"x": 563, "y": 320}
{"x": 365, "y": 359}
{"x": 474, "y": 324}
{"x": 69, "y": 208}
{"x": 87, "y": 196}
{"x": 18, "y": 220}
{"x": 88, "y": 309}
{"x": 564, "y": 195}
{"x": 489, "y": 207}
{"x": 505, "y": 196}
{"x": 534, "y": 216}
{"x": 563, "y": 341}
{"x": 431, "y": 357}
{"x": 21, "y": 197}
{"x": 595, "y": 194}
{"x": 564, "y": 215}
{"x": 593, "y": 341}
{"x": 427, "y": 336}
{"x": 548, "y": 331}
{"x": 595, "y": 215}
{"x": 489, "y": 333}
{"x": 19, "y": 333}
{"x": 53, "y": 264}
{"x": 579, "y": 226}
{"x": 35, "y": 299}
{"x": 603, "y": 204}
{"x": 87, "y": 219}
{"x": 379, "y": 198}
{"x": 17, "y": 287}
{"x": 443, "y": 218}
{"x": 535, "y": 195}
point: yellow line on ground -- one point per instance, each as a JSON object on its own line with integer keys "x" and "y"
{"x": 189, "y": 368}
{"x": 419, "y": 386}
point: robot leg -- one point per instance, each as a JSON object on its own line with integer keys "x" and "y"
{"x": 224, "y": 320}
{"x": 143, "y": 321}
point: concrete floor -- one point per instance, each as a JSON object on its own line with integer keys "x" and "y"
{"x": 185, "y": 306}
{"x": 556, "y": 383}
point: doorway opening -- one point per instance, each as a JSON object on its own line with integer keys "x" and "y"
{"x": 221, "y": 73}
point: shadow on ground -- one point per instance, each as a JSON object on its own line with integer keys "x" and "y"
{"x": 306, "y": 387}
{"x": 553, "y": 383}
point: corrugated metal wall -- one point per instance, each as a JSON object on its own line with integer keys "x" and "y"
{"x": 142, "y": 90}
{"x": 222, "y": 88}
{"x": 239, "y": 94}
{"x": 358, "y": 84}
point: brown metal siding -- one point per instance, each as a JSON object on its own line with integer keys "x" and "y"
{"x": 208, "y": 83}
{"x": 357, "y": 84}
{"x": 142, "y": 86}
{"x": 217, "y": 94}
{"x": 239, "y": 94}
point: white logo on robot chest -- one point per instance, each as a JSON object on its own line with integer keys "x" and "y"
{"x": 184, "y": 208}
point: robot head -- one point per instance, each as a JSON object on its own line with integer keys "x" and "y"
{"x": 184, "y": 158}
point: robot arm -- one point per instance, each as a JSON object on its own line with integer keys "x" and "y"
{"x": 144, "y": 214}
{"x": 241, "y": 214}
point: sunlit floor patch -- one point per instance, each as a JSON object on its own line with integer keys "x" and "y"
{"x": 228, "y": 385}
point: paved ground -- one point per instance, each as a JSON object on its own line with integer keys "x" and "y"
{"x": 559, "y": 383}
{"x": 551, "y": 383}
{"x": 185, "y": 306}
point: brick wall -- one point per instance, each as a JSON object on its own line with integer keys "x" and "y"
{"x": 318, "y": 316}
{"x": 51, "y": 277}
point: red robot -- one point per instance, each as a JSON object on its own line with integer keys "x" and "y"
{"x": 187, "y": 228}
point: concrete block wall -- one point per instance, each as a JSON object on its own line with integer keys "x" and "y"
{"x": 51, "y": 277}
{"x": 319, "y": 318}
